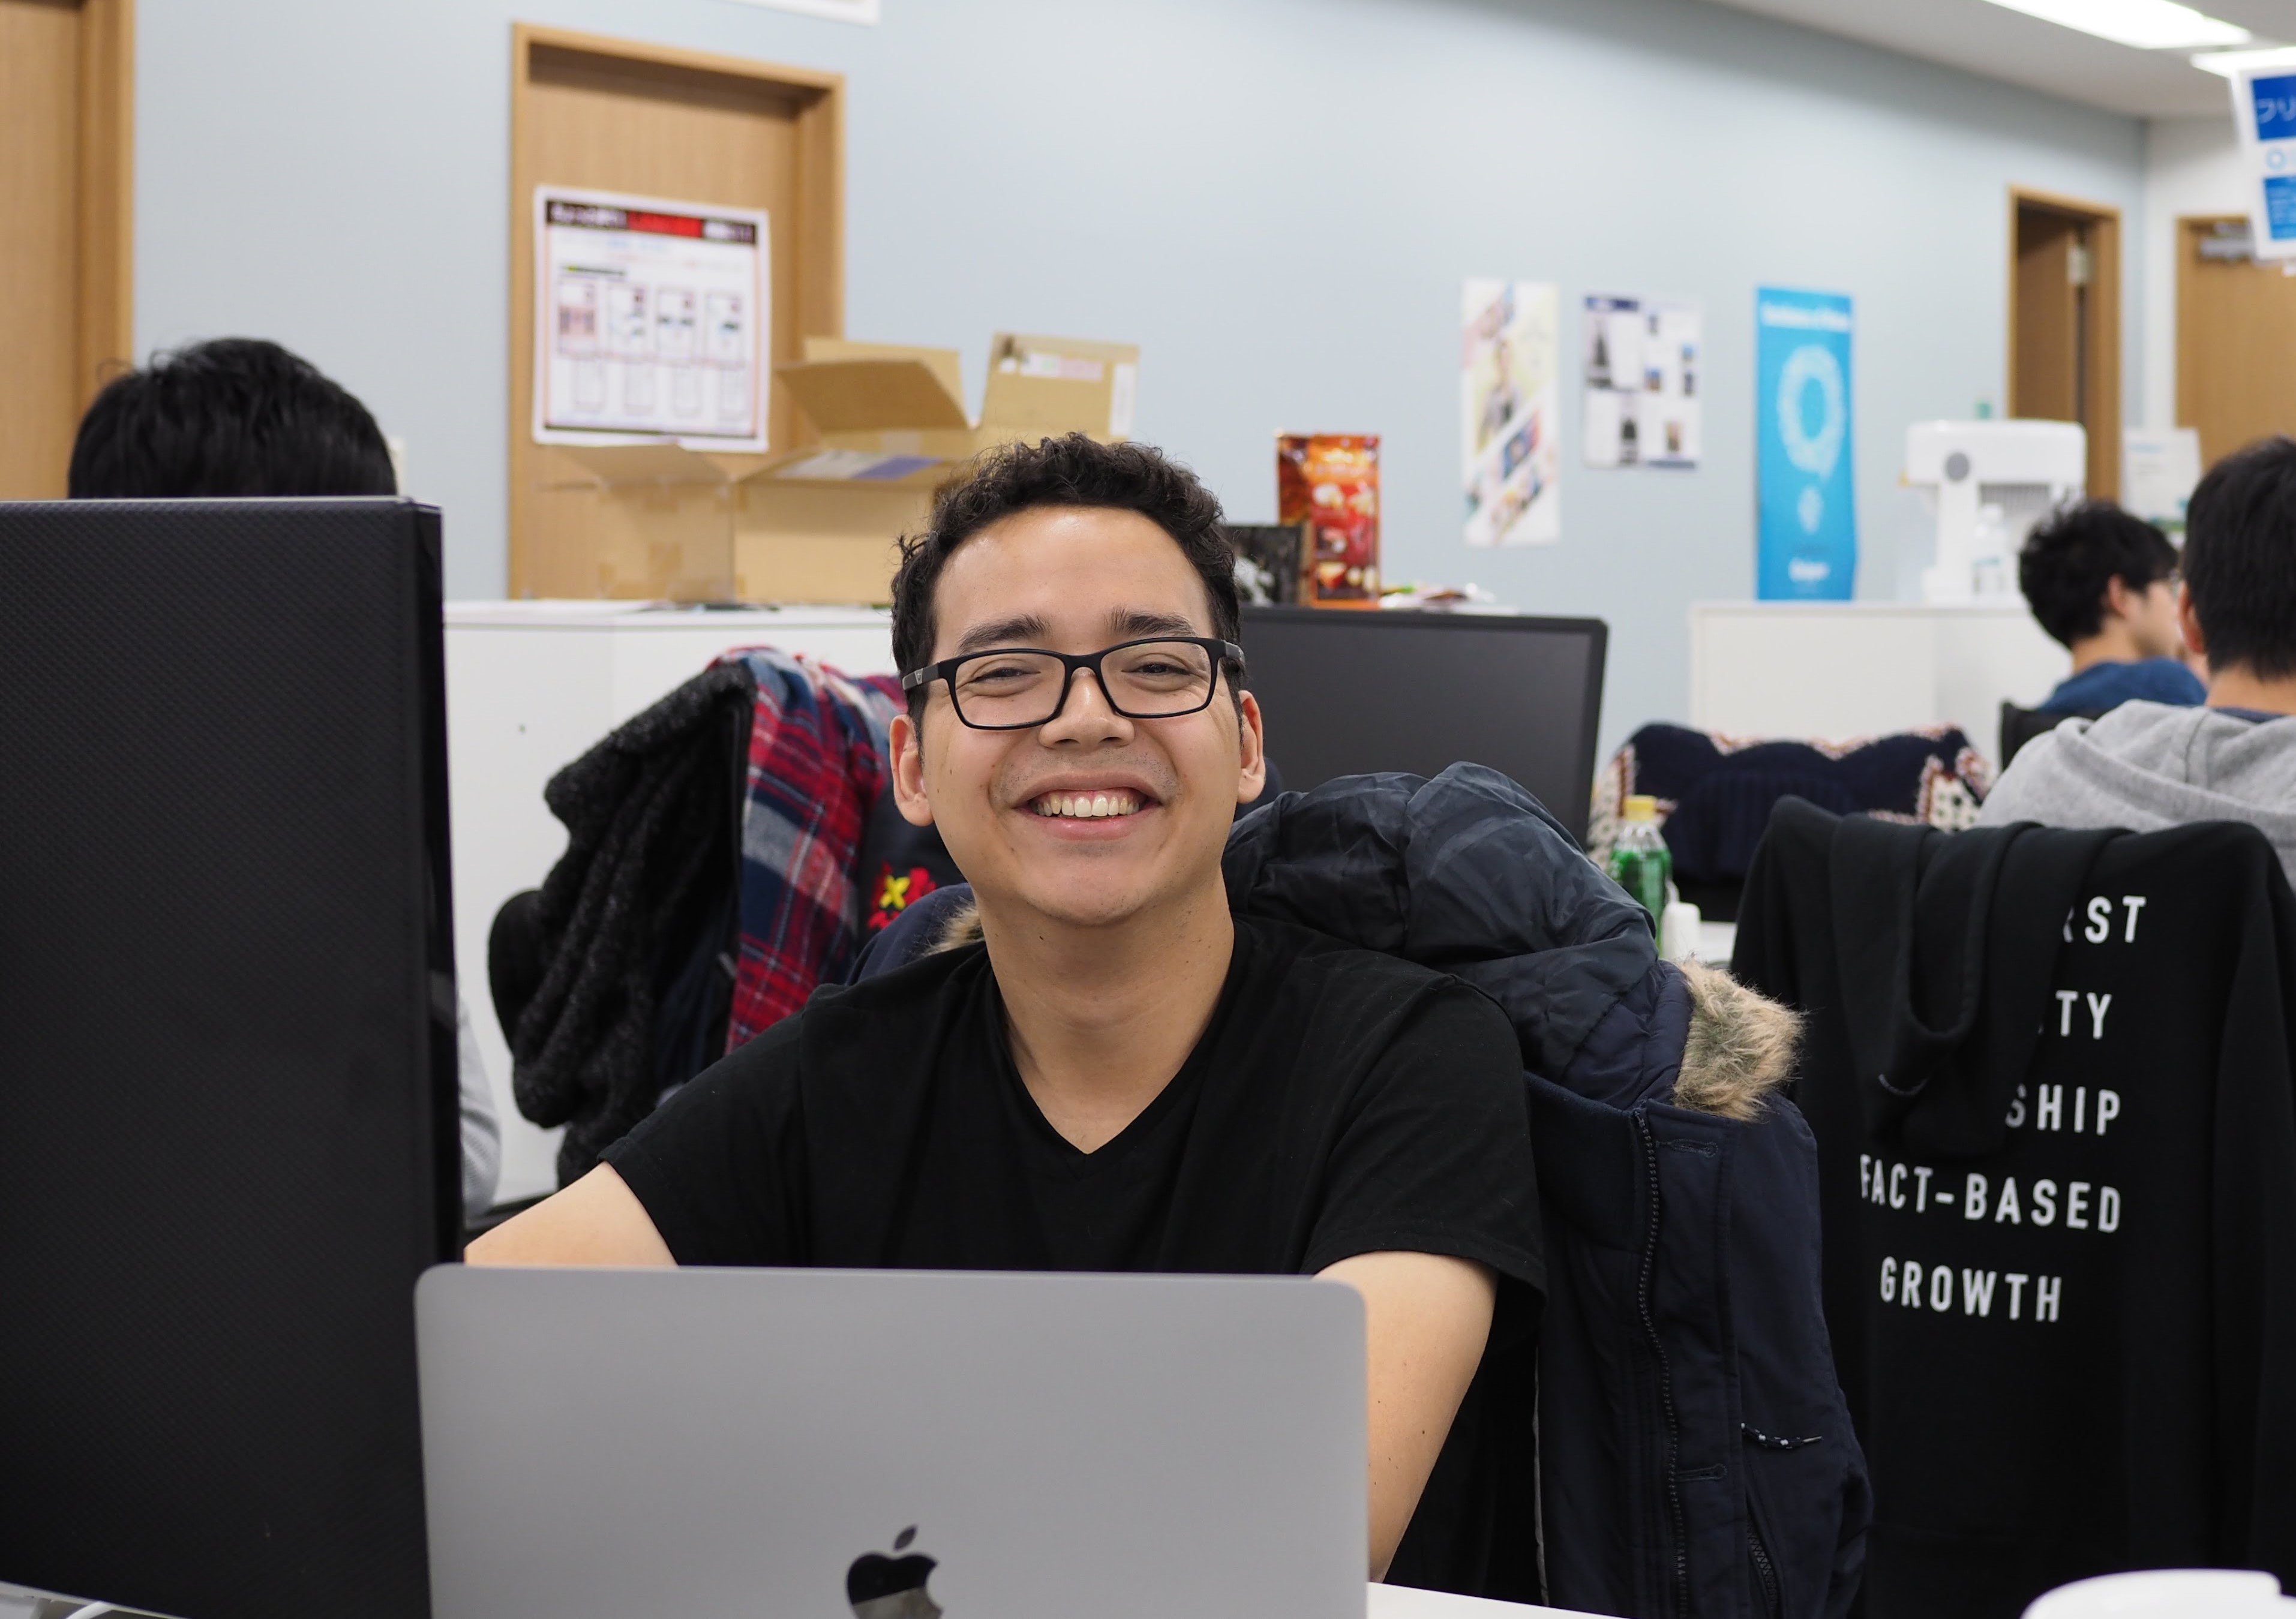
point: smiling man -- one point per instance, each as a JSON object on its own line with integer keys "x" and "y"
{"x": 1120, "y": 1075}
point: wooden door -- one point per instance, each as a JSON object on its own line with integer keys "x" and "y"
{"x": 616, "y": 115}
{"x": 66, "y": 110}
{"x": 2064, "y": 323}
{"x": 2235, "y": 338}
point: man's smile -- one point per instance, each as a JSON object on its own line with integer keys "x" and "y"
{"x": 1088, "y": 805}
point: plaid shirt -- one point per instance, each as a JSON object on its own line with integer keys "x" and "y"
{"x": 817, "y": 762}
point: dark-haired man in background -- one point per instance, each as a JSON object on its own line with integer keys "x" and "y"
{"x": 2103, "y": 584}
{"x": 235, "y": 416}
{"x": 2146, "y": 766}
{"x": 241, "y": 417}
{"x": 1122, "y": 1075}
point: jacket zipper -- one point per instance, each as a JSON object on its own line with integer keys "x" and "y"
{"x": 1772, "y": 1602}
{"x": 1665, "y": 1374}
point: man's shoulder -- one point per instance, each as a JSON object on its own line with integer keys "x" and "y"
{"x": 1355, "y": 987}
{"x": 1318, "y": 957}
{"x": 2107, "y": 686}
{"x": 2143, "y": 766}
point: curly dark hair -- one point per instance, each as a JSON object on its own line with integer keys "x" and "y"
{"x": 235, "y": 416}
{"x": 1075, "y": 471}
{"x": 2240, "y": 558}
{"x": 2073, "y": 556}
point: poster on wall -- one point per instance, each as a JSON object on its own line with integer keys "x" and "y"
{"x": 1639, "y": 362}
{"x": 2264, "y": 108}
{"x": 1806, "y": 501}
{"x": 1507, "y": 429}
{"x": 1330, "y": 481}
{"x": 652, "y": 321}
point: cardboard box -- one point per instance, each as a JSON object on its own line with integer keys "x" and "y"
{"x": 819, "y": 523}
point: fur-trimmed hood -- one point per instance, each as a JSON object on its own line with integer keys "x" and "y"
{"x": 1741, "y": 1046}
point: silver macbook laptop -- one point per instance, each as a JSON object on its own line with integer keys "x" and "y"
{"x": 815, "y": 1445}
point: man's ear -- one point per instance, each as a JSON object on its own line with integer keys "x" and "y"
{"x": 905, "y": 745}
{"x": 2189, "y": 621}
{"x": 2118, "y": 597}
{"x": 1252, "y": 741}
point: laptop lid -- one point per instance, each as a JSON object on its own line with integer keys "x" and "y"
{"x": 890, "y": 1444}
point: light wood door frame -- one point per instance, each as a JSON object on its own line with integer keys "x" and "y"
{"x": 104, "y": 333}
{"x": 67, "y": 111}
{"x": 818, "y": 99}
{"x": 2100, "y": 403}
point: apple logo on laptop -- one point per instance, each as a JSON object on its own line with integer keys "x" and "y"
{"x": 880, "y": 1587}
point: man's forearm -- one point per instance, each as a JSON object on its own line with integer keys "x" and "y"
{"x": 1426, "y": 1318}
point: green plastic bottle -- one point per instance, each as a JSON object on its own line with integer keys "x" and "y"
{"x": 1640, "y": 861}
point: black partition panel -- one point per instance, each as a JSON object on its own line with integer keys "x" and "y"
{"x": 1349, "y": 691}
{"x": 227, "y": 1083}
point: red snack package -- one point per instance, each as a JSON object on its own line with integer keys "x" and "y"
{"x": 1332, "y": 479}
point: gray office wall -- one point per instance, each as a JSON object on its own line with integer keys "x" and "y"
{"x": 1276, "y": 199}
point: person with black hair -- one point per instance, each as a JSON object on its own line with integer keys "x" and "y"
{"x": 239, "y": 417}
{"x": 2147, "y": 765}
{"x": 2103, "y": 582}
{"x": 233, "y": 416}
{"x": 1119, "y": 1072}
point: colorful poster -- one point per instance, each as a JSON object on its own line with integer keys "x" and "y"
{"x": 1511, "y": 458}
{"x": 1639, "y": 362}
{"x": 1806, "y": 506}
{"x": 653, "y": 320}
{"x": 1331, "y": 480}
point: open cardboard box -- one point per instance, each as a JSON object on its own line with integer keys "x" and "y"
{"x": 817, "y": 523}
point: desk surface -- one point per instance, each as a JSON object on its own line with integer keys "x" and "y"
{"x": 1402, "y": 1602}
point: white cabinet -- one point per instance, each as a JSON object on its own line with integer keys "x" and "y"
{"x": 1835, "y": 670}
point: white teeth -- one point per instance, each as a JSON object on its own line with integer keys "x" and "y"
{"x": 1083, "y": 806}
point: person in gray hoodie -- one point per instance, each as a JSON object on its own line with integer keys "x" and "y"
{"x": 2147, "y": 765}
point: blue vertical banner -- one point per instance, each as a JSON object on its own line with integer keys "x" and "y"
{"x": 1805, "y": 499}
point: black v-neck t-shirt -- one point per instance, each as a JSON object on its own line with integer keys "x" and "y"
{"x": 1339, "y": 1102}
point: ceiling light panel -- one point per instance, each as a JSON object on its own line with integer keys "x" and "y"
{"x": 2148, "y": 25}
{"x": 2226, "y": 63}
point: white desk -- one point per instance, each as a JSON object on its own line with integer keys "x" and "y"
{"x": 1840, "y": 669}
{"x": 530, "y": 687}
{"x": 1402, "y": 1602}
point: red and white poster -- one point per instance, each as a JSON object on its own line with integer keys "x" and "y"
{"x": 652, "y": 321}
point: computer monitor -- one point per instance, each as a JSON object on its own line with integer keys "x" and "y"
{"x": 1346, "y": 693}
{"x": 227, "y": 1061}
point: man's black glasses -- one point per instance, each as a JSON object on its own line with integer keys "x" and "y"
{"x": 1021, "y": 688}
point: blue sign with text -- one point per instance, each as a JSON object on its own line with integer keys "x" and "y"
{"x": 1806, "y": 500}
{"x": 2275, "y": 100}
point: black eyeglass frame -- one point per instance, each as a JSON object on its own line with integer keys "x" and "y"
{"x": 1227, "y": 657}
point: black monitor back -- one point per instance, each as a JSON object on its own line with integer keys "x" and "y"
{"x": 1348, "y": 692}
{"x": 227, "y": 1082}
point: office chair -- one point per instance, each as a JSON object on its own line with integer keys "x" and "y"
{"x": 2041, "y": 1066}
{"x": 2020, "y": 726}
